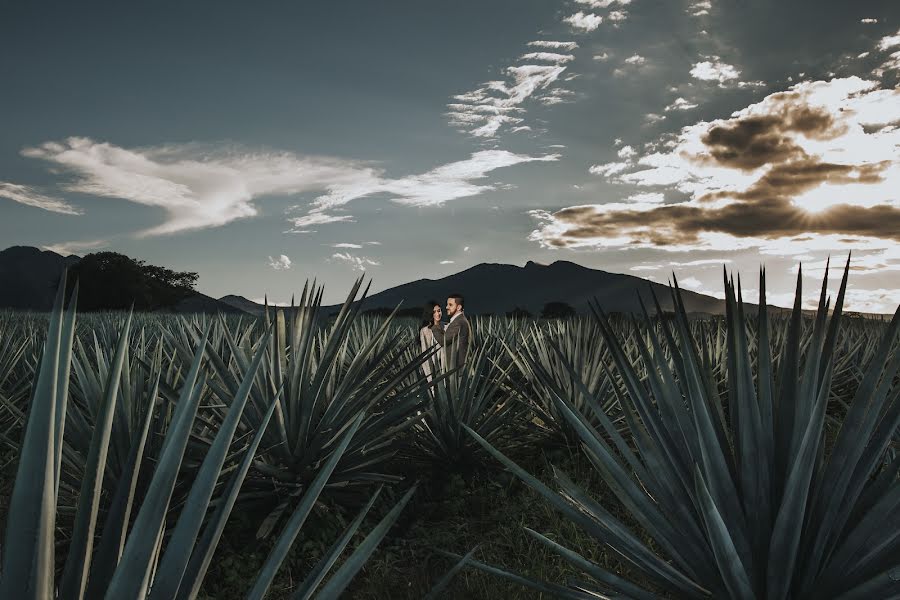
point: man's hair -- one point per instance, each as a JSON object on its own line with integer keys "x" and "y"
{"x": 459, "y": 299}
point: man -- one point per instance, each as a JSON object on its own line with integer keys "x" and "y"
{"x": 458, "y": 334}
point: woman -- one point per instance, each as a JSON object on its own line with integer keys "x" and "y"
{"x": 431, "y": 333}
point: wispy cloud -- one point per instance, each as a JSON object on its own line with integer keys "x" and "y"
{"x": 358, "y": 263}
{"x": 30, "y": 197}
{"x": 201, "y": 187}
{"x": 483, "y": 111}
{"x": 602, "y": 3}
{"x": 347, "y": 245}
{"x": 448, "y": 262}
{"x": 432, "y": 188}
{"x": 554, "y": 45}
{"x": 280, "y": 263}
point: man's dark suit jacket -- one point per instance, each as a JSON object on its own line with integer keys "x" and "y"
{"x": 457, "y": 338}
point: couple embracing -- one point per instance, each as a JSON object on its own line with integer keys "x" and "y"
{"x": 454, "y": 339}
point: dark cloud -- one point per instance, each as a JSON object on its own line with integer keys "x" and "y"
{"x": 751, "y": 142}
{"x": 767, "y": 219}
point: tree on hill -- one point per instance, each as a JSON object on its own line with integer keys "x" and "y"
{"x": 519, "y": 313}
{"x": 558, "y": 310}
{"x": 113, "y": 281}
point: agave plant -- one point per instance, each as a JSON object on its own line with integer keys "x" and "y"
{"x": 324, "y": 377}
{"x": 542, "y": 358}
{"x": 479, "y": 395}
{"x": 740, "y": 494}
{"x": 132, "y": 557}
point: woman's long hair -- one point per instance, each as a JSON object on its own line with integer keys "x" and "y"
{"x": 428, "y": 314}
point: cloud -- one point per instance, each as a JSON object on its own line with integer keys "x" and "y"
{"x": 552, "y": 45}
{"x": 483, "y": 111}
{"x": 281, "y": 263}
{"x": 466, "y": 249}
{"x": 868, "y": 21}
{"x": 889, "y": 41}
{"x": 715, "y": 70}
{"x": 448, "y": 262}
{"x": 700, "y": 8}
{"x": 636, "y": 60}
{"x": 814, "y": 167}
{"x": 201, "y": 187}
{"x": 29, "y": 197}
{"x": 603, "y": 56}
{"x": 651, "y": 118}
{"x": 626, "y": 152}
{"x": 197, "y": 186}
{"x": 347, "y": 245}
{"x": 435, "y": 187}
{"x": 681, "y": 104}
{"x": 552, "y": 57}
{"x": 584, "y": 22}
{"x": 358, "y": 263}
{"x": 602, "y": 3}
{"x": 617, "y": 17}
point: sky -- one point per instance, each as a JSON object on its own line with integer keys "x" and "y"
{"x": 262, "y": 145}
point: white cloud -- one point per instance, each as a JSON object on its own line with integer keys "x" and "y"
{"x": 197, "y": 186}
{"x": 29, "y": 197}
{"x": 892, "y": 63}
{"x": 715, "y": 70}
{"x": 432, "y": 188}
{"x": 281, "y": 263}
{"x": 868, "y": 21}
{"x": 582, "y": 21}
{"x": 651, "y": 118}
{"x": 889, "y": 41}
{"x": 626, "y": 152}
{"x": 358, "y": 263}
{"x": 448, "y": 262}
{"x": 636, "y": 60}
{"x": 617, "y": 16}
{"x": 568, "y": 46}
{"x": 264, "y": 300}
{"x": 552, "y": 57}
{"x": 483, "y": 111}
{"x": 603, "y": 56}
{"x": 466, "y": 249}
{"x": 602, "y": 3}
{"x": 347, "y": 245}
{"x": 700, "y": 8}
{"x": 201, "y": 187}
{"x": 301, "y": 224}
{"x": 608, "y": 169}
{"x": 681, "y": 104}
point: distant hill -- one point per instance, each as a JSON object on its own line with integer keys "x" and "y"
{"x": 29, "y": 278}
{"x": 499, "y": 289}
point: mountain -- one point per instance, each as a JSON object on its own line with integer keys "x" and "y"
{"x": 242, "y": 304}
{"x": 29, "y": 277}
{"x": 498, "y": 289}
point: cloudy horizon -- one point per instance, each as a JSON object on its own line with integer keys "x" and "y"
{"x": 264, "y": 148}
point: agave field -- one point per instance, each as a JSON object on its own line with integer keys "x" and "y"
{"x": 750, "y": 456}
